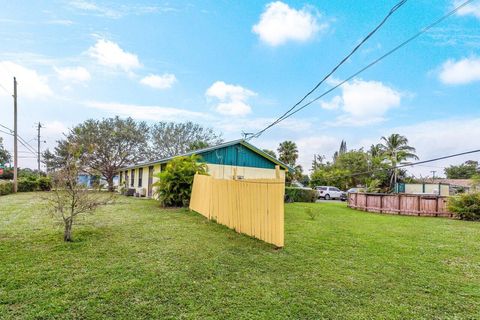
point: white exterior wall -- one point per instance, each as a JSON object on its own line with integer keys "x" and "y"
{"x": 226, "y": 172}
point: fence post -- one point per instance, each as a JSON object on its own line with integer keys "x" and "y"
{"x": 277, "y": 171}
{"x": 381, "y": 203}
{"x": 418, "y": 205}
{"x": 399, "y": 204}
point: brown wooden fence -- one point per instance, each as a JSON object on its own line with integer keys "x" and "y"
{"x": 253, "y": 206}
{"x": 404, "y": 204}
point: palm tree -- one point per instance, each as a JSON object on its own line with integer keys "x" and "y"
{"x": 288, "y": 153}
{"x": 376, "y": 150}
{"x": 397, "y": 151}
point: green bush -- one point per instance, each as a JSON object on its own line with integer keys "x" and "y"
{"x": 44, "y": 183}
{"x": 300, "y": 195}
{"x": 466, "y": 206}
{"x": 174, "y": 187}
{"x": 6, "y": 187}
{"x": 27, "y": 184}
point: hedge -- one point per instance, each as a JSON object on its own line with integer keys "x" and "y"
{"x": 6, "y": 187}
{"x": 26, "y": 185}
{"x": 293, "y": 194}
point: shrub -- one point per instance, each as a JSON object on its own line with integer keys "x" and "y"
{"x": 174, "y": 187}
{"x": 6, "y": 187}
{"x": 27, "y": 184}
{"x": 466, "y": 206}
{"x": 44, "y": 183}
{"x": 300, "y": 195}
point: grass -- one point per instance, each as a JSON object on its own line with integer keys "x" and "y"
{"x": 133, "y": 260}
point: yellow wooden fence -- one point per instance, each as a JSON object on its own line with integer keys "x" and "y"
{"x": 253, "y": 206}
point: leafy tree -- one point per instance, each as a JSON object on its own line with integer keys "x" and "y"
{"x": 174, "y": 184}
{"x": 170, "y": 139}
{"x": 464, "y": 171}
{"x": 397, "y": 151}
{"x": 106, "y": 146}
{"x": 270, "y": 152}
{"x": 317, "y": 162}
{"x": 70, "y": 198}
{"x": 288, "y": 153}
{"x": 5, "y": 156}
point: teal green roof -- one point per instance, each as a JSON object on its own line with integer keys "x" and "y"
{"x": 233, "y": 153}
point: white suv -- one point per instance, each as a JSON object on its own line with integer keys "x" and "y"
{"x": 328, "y": 192}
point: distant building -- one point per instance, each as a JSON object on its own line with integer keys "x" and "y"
{"x": 439, "y": 186}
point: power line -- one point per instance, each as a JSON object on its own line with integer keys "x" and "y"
{"x": 22, "y": 140}
{"x": 369, "y": 35}
{"x": 425, "y": 29}
{"x": 1, "y": 86}
{"x": 412, "y": 164}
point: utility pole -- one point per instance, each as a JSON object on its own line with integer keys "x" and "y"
{"x": 39, "y": 126}
{"x": 15, "y": 137}
{"x": 433, "y": 174}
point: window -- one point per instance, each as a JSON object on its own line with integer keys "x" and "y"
{"x": 335, "y": 189}
{"x": 140, "y": 174}
{"x": 121, "y": 178}
{"x": 132, "y": 178}
{"x": 126, "y": 178}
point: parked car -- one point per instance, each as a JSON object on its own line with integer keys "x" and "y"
{"x": 328, "y": 192}
{"x": 355, "y": 190}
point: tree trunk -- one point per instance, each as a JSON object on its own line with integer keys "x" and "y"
{"x": 67, "y": 234}
{"x": 111, "y": 187}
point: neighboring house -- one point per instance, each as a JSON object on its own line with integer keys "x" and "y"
{"x": 88, "y": 180}
{"x": 223, "y": 161}
{"x": 439, "y": 189}
{"x": 456, "y": 185}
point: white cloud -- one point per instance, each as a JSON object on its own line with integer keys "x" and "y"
{"x": 469, "y": 9}
{"x": 155, "y": 113}
{"x": 320, "y": 145}
{"x": 279, "y": 23}
{"x": 363, "y": 102}
{"x": 79, "y": 74}
{"x": 30, "y": 84}
{"x": 108, "y": 53}
{"x": 460, "y": 72}
{"x": 161, "y": 82}
{"x": 256, "y": 124}
{"x": 113, "y": 11}
{"x": 442, "y": 137}
{"x": 90, "y": 6}
{"x": 63, "y": 22}
{"x": 232, "y": 98}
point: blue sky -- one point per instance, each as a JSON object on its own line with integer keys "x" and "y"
{"x": 236, "y": 65}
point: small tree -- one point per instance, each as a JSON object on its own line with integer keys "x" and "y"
{"x": 70, "y": 198}
{"x": 174, "y": 187}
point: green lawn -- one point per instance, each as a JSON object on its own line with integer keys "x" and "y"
{"x": 134, "y": 260}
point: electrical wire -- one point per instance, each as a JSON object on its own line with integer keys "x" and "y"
{"x": 369, "y": 35}
{"x": 422, "y": 31}
{"x": 20, "y": 139}
{"x": 411, "y": 164}
{"x": 1, "y": 86}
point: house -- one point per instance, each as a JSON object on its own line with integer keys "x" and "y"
{"x": 223, "y": 161}
{"x": 89, "y": 180}
{"x": 438, "y": 189}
